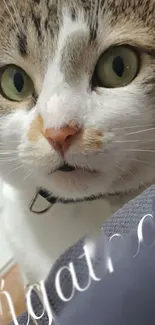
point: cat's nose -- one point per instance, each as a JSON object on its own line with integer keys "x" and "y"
{"x": 61, "y": 139}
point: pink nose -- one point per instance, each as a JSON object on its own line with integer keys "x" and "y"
{"x": 60, "y": 139}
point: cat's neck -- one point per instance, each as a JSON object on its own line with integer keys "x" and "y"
{"x": 31, "y": 195}
{"x": 49, "y": 234}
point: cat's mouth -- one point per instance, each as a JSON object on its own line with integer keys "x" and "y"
{"x": 66, "y": 168}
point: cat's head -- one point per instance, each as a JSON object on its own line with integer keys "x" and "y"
{"x": 77, "y": 87}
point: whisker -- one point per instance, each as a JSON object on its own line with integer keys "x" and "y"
{"x": 8, "y": 10}
{"x": 114, "y": 155}
{"x": 8, "y": 158}
{"x": 121, "y": 178}
{"x": 15, "y": 164}
{"x": 8, "y": 152}
{"x": 130, "y": 174}
{"x": 4, "y": 160}
{"x": 125, "y": 171}
{"x": 140, "y": 131}
{"x": 133, "y": 127}
{"x": 9, "y": 141}
{"x": 140, "y": 161}
{"x": 140, "y": 150}
{"x": 15, "y": 11}
{"x": 27, "y": 176}
{"x": 17, "y": 168}
{"x": 17, "y": 15}
{"x": 130, "y": 141}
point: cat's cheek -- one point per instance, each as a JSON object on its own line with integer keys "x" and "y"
{"x": 39, "y": 156}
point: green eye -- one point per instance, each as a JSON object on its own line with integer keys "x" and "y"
{"x": 117, "y": 67}
{"x": 16, "y": 84}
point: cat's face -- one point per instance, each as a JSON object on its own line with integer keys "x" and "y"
{"x": 85, "y": 95}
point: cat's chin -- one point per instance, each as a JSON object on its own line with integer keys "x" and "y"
{"x": 66, "y": 168}
{"x": 73, "y": 175}
{"x": 78, "y": 184}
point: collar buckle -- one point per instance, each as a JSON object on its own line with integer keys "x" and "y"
{"x": 45, "y": 195}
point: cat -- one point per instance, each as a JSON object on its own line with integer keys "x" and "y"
{"x": 77, "y": 118}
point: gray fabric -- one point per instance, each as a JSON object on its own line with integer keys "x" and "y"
{"x": 129, "y": 216}
{"x": 127, "y": 295}
{"x": 121, "y": 222}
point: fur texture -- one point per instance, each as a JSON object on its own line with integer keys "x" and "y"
{"x": 58, "y": 44}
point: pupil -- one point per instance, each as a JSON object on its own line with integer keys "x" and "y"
{"x": 18, "y": 81}
{"x": 118, "y": 66}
